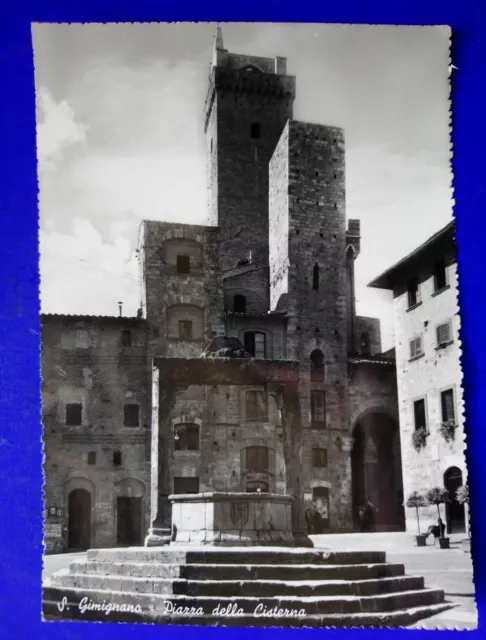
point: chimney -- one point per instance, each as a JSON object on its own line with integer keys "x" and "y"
{"x": 120, "y": 307}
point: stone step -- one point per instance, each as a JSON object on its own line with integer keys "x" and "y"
{"x": 149, "y": 613}
{"x": 241, "y": 572}
{"x": 156, "y": 604}
{"x": 253, "y": 555}
{"x": 235, "y": 588}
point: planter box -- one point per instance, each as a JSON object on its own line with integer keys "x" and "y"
{"x": 444, "y": 543}
{"x": 421, "y": 540}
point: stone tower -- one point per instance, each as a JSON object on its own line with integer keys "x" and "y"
{"x": 307, "y": 257}
{"x": 249, "y": 102}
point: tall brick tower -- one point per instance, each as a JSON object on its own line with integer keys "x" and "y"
{"x": 249, "y": 102}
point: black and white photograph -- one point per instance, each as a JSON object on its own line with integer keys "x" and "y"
{"x": 252, "y": 401}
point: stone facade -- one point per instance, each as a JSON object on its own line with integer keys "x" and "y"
{"x": 96, "y": 417}
{"x": 274, "y": 269}
{"x": 429, "y": 375}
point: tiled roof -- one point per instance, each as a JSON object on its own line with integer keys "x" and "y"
{"x": 69, "y": 316}
{"x": 379, "y": 359}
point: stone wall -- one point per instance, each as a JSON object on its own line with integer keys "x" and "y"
{"x": 84, "y": 361}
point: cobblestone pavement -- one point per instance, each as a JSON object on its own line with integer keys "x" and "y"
{"x": 447, "y": 569}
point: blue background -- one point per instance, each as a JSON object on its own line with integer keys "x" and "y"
{"x": 20, "y": 410}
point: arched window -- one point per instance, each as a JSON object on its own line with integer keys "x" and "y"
{"x": 315, "y": 277}
{"x": 317, "y": 365}
{"x": 239, "y": 304}
{"x": 255, "y": 130}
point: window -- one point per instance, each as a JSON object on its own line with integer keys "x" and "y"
{"x": 256, "y": 407}
{"x": 131, "y": 415}
{"x": 126, "y": 338}
{"x": 317, "y": 366}
{"x": 443, "y": 334}
{"x": 318, "y": 408}
{"x": 413, "y": 292}
{"x": 183, "y": 264}
{"x": 419, "y": 414}
{"x": 186, "y": 437}
{"x": 185, "y": 329}
{"x": 365, "y": 343}
{"x": 416, "y": 347}
{"x": 257, "y": 459}
{"x": 255, "y": 130}
{"x": 186, "y": 485}
{"x": 91, "y": 457}
{"x": 315, "y": 277}
{"x": 440, "y": 280}
{"x": 117, "y": 458}
{"x": 447, "y": 405}
{"x": 319, "y": 457}
{"x": 74, "y": 414}
{"x": 239, "y": 304}
{"x": 255, "y": 344}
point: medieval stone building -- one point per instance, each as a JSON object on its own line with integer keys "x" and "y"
{"x": 274, "y": 268}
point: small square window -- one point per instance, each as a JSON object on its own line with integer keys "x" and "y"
{"x": 131, "y": 415}
{"x": 117, "y": 458}
{"x": 183, "y": 264}
{"x": 91, "y": 457}
{"x": 416, "y": 347}
{"x": 186, "y": 437}
{"x": 185, "y": 330}
{"x": 126, "y": 338}
{"x": 443, "y": 334}
{"x": 74, "y": 414}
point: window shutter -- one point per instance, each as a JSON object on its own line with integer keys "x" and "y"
{"x": 443, "y": 334}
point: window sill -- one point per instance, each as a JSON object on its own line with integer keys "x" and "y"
{"x": 416, "y": 357}
{"x": 439, "y": 291}
{"x": 444, "y": 346}
{"x": 414, "y": 306}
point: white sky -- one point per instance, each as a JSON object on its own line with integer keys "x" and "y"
{"x": 120, "y": 139}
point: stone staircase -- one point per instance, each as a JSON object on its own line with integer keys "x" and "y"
{"x": 240, "y": 587}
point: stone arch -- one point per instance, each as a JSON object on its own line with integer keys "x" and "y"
{"x": 79, "y": 502}
{"x": 370, "y": 407}
{"x": 317, "y": 365}
{"x": 251, "y": 68}
{"x": 455, "y": 512}
{"x": 376, "y": 469}
{"x": 130, "y": 487}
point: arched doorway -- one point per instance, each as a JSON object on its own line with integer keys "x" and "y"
{"x": 79, "y": 519}
{"x": 455, "y": 512}
{"x": 377, "y": 471}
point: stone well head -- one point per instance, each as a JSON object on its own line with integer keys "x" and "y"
{"x": 229, "y": 519}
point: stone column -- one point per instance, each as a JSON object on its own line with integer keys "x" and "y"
{"x": 161, "y": 530}
{"x": 293, "y": 445}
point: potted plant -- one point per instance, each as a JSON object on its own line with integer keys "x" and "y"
{"x": 462, "y": 496}
{"x": 416, "y": 500}
{"x": 419, "y": 439}
{"x": 438, "y": 496}
{"x": 448, "y": 430}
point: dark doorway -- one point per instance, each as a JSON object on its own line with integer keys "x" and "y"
{"x": 455, "y": 512}
{"x": 377, "y": 472}
{"x": 129, "y": 522}
{"x": 79, "y": 519}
